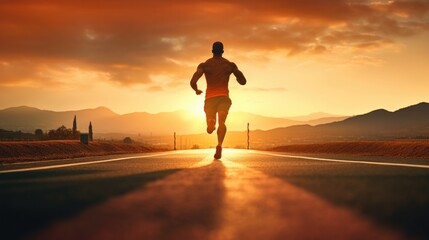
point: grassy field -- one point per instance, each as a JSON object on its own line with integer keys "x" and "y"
{"x": 60, "y": 149}
{"x": 405, "y": 149}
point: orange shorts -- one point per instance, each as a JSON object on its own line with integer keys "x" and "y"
{"x": 215, "y": 104}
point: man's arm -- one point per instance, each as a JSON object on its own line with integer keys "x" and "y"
{"x": 195, "y": 79}
{"x": 238, "y": 75}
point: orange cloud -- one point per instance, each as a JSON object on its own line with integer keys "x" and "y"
{"x": 132, "y": 40}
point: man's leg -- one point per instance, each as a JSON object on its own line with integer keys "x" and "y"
{"x": 221, "y": 131}
{"x": 210, "y": 111}
{"x": 211, "y": 123}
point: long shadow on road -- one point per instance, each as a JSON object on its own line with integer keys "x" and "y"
{"x": 184, "y": 205}
{"x": 30, "y": 201}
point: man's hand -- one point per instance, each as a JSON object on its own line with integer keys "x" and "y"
{"x": 198, "y": 92}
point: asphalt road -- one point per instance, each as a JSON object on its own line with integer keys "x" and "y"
{"x": 188, "y": 195}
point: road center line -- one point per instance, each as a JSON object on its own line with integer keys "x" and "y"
{"x": 86, "y": 163}
{"x": 345, "y": 161}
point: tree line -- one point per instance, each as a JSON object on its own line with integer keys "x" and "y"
{"x": 61, "y": 133}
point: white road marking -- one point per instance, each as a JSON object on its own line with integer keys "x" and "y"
{"x": 86, "y": 163}
{"x": 241, "y": 152}
{"x": 344, "y": 161}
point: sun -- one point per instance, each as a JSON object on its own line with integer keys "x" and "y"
{"x": 196, "y": 109}
{"x": 193, "y": 114}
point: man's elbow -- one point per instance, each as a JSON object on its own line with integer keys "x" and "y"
{"x": 241, "y": 80}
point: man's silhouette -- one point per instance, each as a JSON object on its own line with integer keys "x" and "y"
{"x": 217, "y": 71}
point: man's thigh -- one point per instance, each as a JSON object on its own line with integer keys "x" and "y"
{"x": 224, "y": 105}
{"x": 210, "y": 108}
{"x": 217, "y": 105}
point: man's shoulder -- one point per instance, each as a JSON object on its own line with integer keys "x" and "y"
{"x": 229, "y": 62}
{"x": 226, "y": 60}
{"x": 209, "y": 60}
{"x": 201, "y": 65}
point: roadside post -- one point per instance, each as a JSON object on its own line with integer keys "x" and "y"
{"x": 248, "y": 137}
{"x": 174, "y": 140}
{"x": 84, "y": 138}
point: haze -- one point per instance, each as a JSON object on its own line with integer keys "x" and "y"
{"x": 300, "y": 56}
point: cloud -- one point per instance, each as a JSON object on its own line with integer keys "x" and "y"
{"x": 132, "y": 40}
{"x": 366, "y": 60}
{"x": 262, "y": 89}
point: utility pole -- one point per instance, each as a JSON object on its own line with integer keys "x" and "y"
{"x": 175, "y": 141}
{"x": 248, "y": 137}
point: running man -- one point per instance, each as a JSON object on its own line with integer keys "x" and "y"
{"x": 217, "y": 71}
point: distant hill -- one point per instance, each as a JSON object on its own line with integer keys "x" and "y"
{"x": 27, "y": 119}
{"x": 408, "y": 122}
{"x": 317, "y": 115}
{"x": 238, "y": 121}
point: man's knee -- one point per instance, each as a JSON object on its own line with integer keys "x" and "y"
{"x": 222, "y": 125}
{"x": 211, "y": 120}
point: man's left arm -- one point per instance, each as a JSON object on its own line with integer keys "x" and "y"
{"x": 197, "y": 75}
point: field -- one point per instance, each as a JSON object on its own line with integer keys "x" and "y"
{"x": 403, "y": 149}
{"x": 60, "y": 149}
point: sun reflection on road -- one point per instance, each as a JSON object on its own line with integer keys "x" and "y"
{"x": 225, "y": 152}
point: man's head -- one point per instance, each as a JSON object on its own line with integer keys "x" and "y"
{"x": 217, "y": 48}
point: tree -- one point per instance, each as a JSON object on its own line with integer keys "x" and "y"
{"x": 128, "y": 140}
{"x": 90, "y": 132}
{"x": 38, "y": 133}
{"x": 61, "y": 133}
{"x": 74, "y": 127}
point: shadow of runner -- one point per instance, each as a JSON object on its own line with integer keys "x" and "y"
{"x": 185, "y": 205}
{"x": 33, "y": 200}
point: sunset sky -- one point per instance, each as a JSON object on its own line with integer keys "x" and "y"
{"x": 299, "y": 56}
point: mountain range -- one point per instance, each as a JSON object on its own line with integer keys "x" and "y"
{"x": 408, "y": 122}
{"x": 104, "y": 120}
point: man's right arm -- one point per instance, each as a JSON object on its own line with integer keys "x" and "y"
{"x": 197, "y": 75}
{"x": 238, "y": 75}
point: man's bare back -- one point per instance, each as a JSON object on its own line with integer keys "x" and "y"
{"x": 217, "y": 71}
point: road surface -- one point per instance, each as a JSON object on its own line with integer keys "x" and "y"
{"x": 188, "y": 195}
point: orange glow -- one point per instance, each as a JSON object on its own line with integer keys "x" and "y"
{"x": 299, "y": 56}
